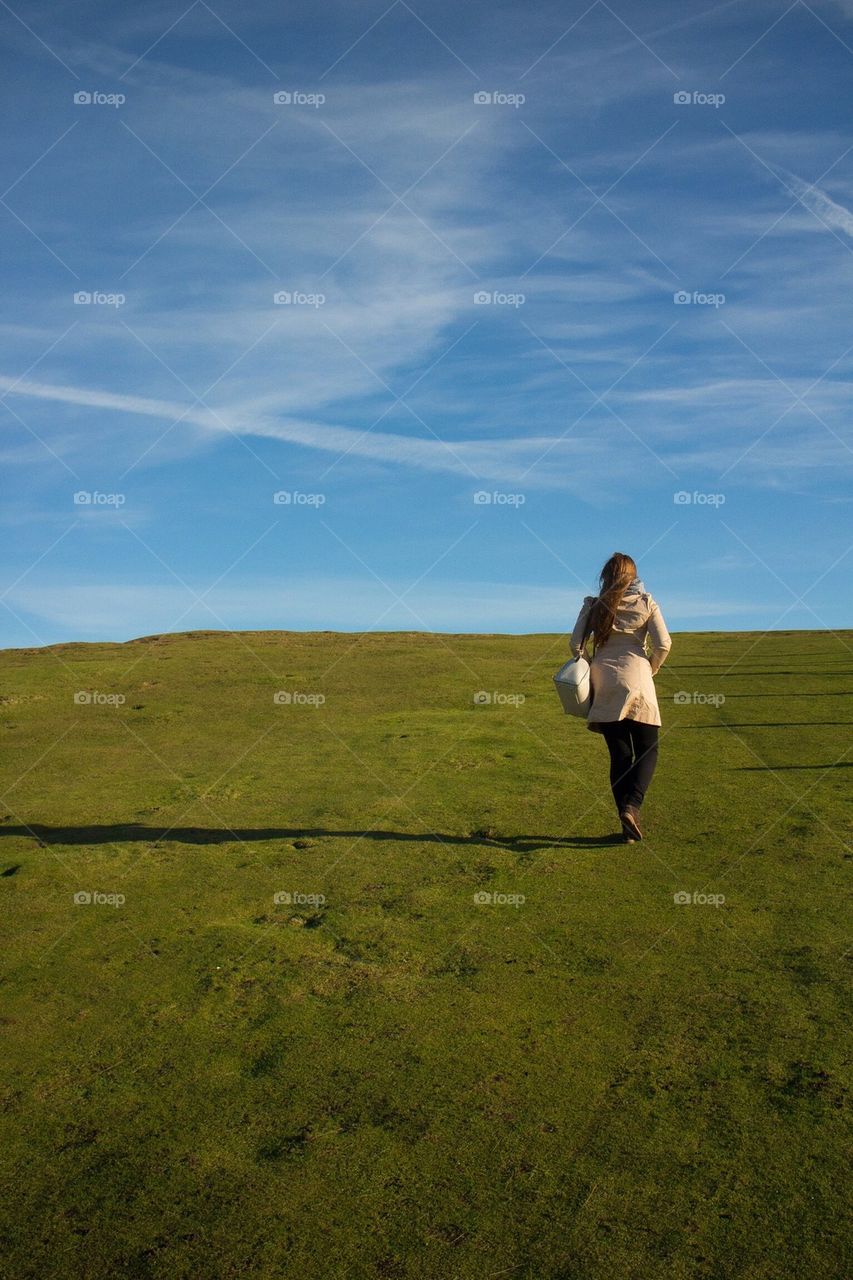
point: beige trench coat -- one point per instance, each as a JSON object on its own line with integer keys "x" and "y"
{"x": 622, "y": 670}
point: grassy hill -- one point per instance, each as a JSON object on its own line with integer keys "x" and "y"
{"x": 365, "y": 987}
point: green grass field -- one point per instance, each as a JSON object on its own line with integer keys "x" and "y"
{"x": 578, "y": 1079}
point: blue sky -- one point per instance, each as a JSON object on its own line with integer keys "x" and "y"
{"x": 452, "y": 463}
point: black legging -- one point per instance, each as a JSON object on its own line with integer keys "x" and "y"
{"x": 633, "y": 751}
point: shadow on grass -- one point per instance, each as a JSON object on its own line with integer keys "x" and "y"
{"x": 779, "y": 768}
{"x": 815, "y": 693}
{"x": 778, "y": 671}
{"x": 121, "y": 833}
{"x": 774, "y": 724}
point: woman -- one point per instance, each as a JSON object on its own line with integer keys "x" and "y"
{"x": 624, "y": 703}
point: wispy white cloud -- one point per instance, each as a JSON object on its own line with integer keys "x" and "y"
{"x": 499, "y": 459}
{"x": 826, "y": 209}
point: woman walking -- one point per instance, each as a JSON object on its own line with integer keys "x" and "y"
{"x": 620, "y": 619}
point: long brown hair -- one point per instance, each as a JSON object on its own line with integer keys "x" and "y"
{"x": 617, "y": 574}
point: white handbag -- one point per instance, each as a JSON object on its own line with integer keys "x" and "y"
{"x": 573, "y": 686}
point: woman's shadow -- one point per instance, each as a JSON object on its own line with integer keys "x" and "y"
{"x": 121, "y": 833}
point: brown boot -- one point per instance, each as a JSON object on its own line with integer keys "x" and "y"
{"x": 629, "y": 818}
